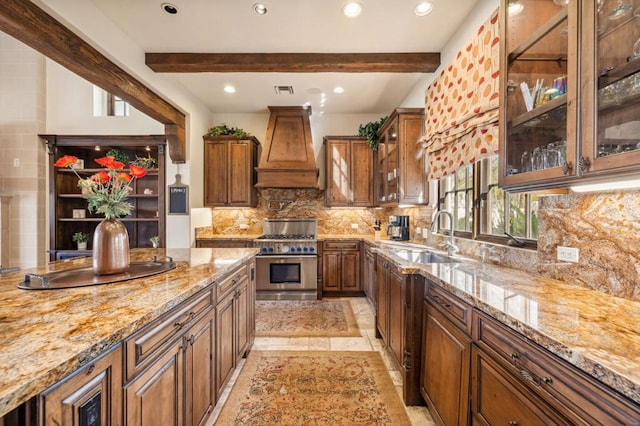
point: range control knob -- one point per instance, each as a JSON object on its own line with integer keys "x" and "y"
{"x": 305, "y": 249}
{"x": 270, "y": 249}
{"x": 264, "y": 249}
{"x": 299, "y": 249}
{"x": 312, "y": 249}
{"x": 285, "y": 249}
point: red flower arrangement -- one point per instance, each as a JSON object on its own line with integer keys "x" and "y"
{"x": 107, "y": 190}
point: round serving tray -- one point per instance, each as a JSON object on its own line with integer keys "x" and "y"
{"x": 81, "y": 277}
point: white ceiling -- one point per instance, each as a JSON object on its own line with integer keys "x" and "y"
{"x": 290, "y": 26}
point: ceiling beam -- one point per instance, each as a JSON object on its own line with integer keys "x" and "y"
{"x": 31, "y": 25}
{"x": 293, "y": 62}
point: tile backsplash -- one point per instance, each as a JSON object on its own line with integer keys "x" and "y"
{"x": 604, "y": 227}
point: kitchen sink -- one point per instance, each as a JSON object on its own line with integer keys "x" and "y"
{"x": 424, "y": 256}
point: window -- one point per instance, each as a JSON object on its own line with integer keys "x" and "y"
{"x": 108, "y": 105}
{"x": 473, "y": 197}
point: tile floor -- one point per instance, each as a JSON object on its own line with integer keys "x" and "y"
{"x": 368, "y": 342}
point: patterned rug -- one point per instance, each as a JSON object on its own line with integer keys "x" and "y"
{"x": 313, "y": 388}
{"x": 305, "y": 318}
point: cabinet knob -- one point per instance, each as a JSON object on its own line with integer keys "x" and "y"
{"x": 513, "y": 423}
{"x": 584, "y": 164}
{"x": 567, "y": 167}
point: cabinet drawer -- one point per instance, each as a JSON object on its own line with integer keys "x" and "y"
{"x": 456, "y": 310}
{"x": 223, "y": 243}
{"x": 146, "y": 344}
{"x": 341, "y": 245}
{"x": 578, "y": 396}
{"x": 228, "y": 283}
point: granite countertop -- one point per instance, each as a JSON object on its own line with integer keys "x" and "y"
{"x": 596, "y": 332}
{"x": 47, "y": 334}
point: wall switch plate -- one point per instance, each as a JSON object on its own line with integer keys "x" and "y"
{"x": 354, "y": 226}
{"x": 16, "y": 162}
{"x": 418, "y": 230}
{"x": 568, "y": 254}
{"x": 425, "y": 232}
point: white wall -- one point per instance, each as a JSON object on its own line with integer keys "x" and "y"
{"x": 460, "y": 39}
{"x": 93, "y": 26}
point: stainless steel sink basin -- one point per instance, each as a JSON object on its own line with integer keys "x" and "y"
{"x": 424, "y": 256}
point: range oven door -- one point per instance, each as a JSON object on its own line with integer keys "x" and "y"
{"x": 286, "y": 277}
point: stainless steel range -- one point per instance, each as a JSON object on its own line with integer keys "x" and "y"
{"x": 287, "y": 265}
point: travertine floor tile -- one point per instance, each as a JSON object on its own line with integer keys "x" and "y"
{"x": 365, "y": 315}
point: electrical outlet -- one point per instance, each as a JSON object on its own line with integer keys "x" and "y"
{"x": 16, "y": 162}
{"x": 244, "y": 226}
{"x": 425, "y": 232}
{"x": 354, "y": 226}
{"x": 568, "y": 254}
{"x": 418, "y": 230}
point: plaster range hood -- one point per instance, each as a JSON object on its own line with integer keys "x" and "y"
{"x": 287, "y": 159}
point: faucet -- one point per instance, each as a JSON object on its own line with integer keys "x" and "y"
{"x": 452, "y": 249}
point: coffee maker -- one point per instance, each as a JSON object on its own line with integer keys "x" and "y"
{"x": 398, "y": 228}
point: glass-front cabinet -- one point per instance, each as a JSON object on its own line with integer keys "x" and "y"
{"x": 612, "y": 115}
{"x": 570, "y": 91}
{"x": 538, "y": 114}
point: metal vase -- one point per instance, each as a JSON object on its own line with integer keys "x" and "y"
{"x": 110, "y": 248}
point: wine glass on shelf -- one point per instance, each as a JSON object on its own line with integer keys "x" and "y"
{"x": 620, "y": 10}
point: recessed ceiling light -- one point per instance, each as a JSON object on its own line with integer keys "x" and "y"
{"x": 260, "y": 9}
{"x": 338, "y": 90}
{"x": 169, "y": 8}
{"x": 351, "y": 10}
{"x": 515, "y": 7}
{"x": 423, "y": 9}
{"x": 229, "y": 89}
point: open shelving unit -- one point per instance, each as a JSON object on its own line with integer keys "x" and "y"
{"x": 66, "y": 201}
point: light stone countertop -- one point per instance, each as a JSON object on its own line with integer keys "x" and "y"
{"x": 47, "y": 334}
{"x": 596, "y": 332}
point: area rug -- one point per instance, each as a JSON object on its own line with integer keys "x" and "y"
{"x": 305, "y": 318}
{"x": 313, "y": 388}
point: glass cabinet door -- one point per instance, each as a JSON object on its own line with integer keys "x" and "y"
{"x": 393, "y": 160}
{"x": 539, "y": 84}
{"x": 612, "y": 139}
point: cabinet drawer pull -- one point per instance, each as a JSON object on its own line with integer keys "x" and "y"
{"x": 513, "y": 423}
{"x": 91, "y": 368}
{"x": 440, "y": 302}
{"x": 189, "y": 318}
{"x": 527, "y": 375}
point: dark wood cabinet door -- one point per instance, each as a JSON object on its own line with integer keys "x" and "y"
{"x": 369, "y": 279}
{"x": 242, "y": 320}
{"x": 445, "y": 370}
{"x": 331, "y": 271}
{"x": 396, "y": 316}
{"x": 216, "y": 158}
{"x": 240, "y": 186}
{"x": 90, "y": 397}
{"x": 225, "y": 351}
{"x": 350, "y": 265}
{"x": 156, "y": 396}
{"x": 496, "y": 400}
{"x": 200, "y": 370}
{"x": 361, "y": 176}
{"x": 382, "y": 300}
{"x": 338, "y": 192}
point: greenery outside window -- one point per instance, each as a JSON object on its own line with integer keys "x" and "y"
{"x": 482, "y": 210}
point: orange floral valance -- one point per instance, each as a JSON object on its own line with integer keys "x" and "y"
{"x": 461, "y": 105}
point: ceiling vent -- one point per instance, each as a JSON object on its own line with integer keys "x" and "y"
{"x": 283, "y": 90}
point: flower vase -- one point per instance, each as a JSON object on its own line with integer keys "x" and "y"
{"x": 110, "y": 248}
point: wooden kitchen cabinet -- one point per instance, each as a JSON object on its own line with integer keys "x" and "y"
{"x": 399, "y": 323}
{"x": 68, "y": 212}
{"x": 582, "y": 127}
{"x": 229, "y": 171}
{"x": 544, "y": 383}
{"x": 400, "y": 169}
{"x": 224, "y": 242}
{"x": 349, "y": 172}
{"x": 90, "y": 396}
{"x": 369, "y": 274}
{"x": 232, "y": 334}
{"x": 170, "y": 366}
{"x": 446, "y": 356}
{"x": 341, "y": 267}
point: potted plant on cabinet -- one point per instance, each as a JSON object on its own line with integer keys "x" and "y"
{"x": 370, "y": 130}
{"x": 81, "y": 239}
{"x": 155, "y": 241}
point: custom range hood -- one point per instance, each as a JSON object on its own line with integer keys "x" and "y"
{"x": 287, "y": 159}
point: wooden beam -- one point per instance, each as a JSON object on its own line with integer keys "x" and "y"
{"x": 31, "y": 25}
{"x": 293, "y": 62}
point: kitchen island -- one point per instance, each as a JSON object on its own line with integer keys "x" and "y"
{"x": 48, "y": 334}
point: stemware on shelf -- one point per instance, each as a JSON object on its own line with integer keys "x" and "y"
{"x": 620, "y": 10}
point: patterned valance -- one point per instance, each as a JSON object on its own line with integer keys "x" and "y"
{"x": 461, "y": 105}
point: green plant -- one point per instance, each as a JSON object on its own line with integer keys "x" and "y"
{"x": 118, "y": 155}
{"x": 370, "y": 130}
{"x": 155, "y": 240}
{"x": 80, "y": 237}
{"x": 224, "y": 130}
{"x": 145, "y": 162}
